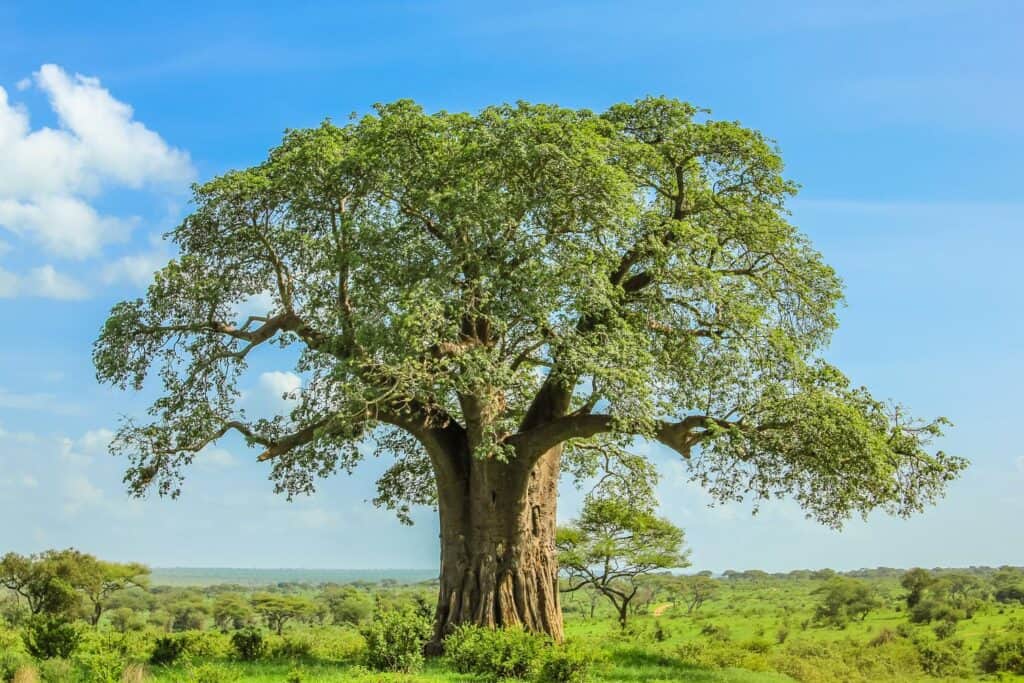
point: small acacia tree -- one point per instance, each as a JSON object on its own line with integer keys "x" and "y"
{"x": 844, "y": 598}
{"x": 696, "y": 590}
{"x": 99, "y": 581}
{"x": 483, "y": 294}
{"x": 278, "y": 610}
{"x": 614, "y": 545}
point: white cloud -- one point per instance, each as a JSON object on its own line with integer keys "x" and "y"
{"x": 29, "y": 482}
{"x": 213, "y": 457}
{"x": 95, "y": 441}
{"x": 314, "y": 518}
{"x": 257, "y": 304}
{"x": 136, "y": 269}
{"x": 65, "y": 226}
{"x": 8, "y": 284}
{"x": 43, "y": 282}
{"x": 282, "y": 385}
{"x": 79, "y": 492}
{"x": 47, "y": 283}
{"x": 47, "y": 175}
{"x": 36, "y": 401}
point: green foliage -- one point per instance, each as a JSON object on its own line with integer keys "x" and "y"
{"x": 277, "y": 610}
{"x": 56, "y": 671}
{"x": 211, "y": 673}
{"x": 10, "y": 662}
{"x": 248, "y": 644}
{"x": 942, "y": 657}
{"x": 292, "y": 647}
{"x": 569, "y": 663}
{"x": 348, "y": 605}
{"x": 167, "y": 650}
{"x": 716, "y": 632}
{"x": 395, "y": 640}
{"x": 46, "y": 581}
{"x": 100, "y": 666}
{"x": 47, "y": 636}
{"x": 232, "y": 611}
{"x": 494, "y": 654}
{"x": 916, "y": 581}
{"x": 614, "y": 543}
{"x": 843, "y": 599}
{"x": 1003, "y": 652}
{"x": 641, "y": 260}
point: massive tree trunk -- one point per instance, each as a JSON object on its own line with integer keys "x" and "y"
{"x": 498, "y": 561}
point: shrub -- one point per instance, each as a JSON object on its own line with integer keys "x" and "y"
{"x": 944, "y": 629}
{"x": 55, "y": 670}
{"x": 942, "y": 658}
{"x": 758, "y": 645}
{"x": 338, "y": 645}
{"x": 716, "y": 632}
{"x": 292, "y": 647}
{"x": 394, "y": 641}
{"x": 206, "y": 644}
{"x": 212, "y": 673}
{"x": 494, "y": 653}
{"x": 884, "y": 637}
{"x": 10, "y": 662}
{"x": 248, "y": 644}
{"x": 781, "y": 634}
{"x": 565, "y": 664}
{"x": 46, "y": 637}
{"x": 100, "y": 666}
{"x": 1003, "y": 653}
{"x": 166, "y": 650}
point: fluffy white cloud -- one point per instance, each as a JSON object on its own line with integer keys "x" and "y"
{"x": 62, "y": 225}
{"x": 282, "y": 385}
{"x": 79, "y": 492}
{"x": 48, "y": 175}
{"x": 44, "y": 283}
{"x": 135, "y": 269}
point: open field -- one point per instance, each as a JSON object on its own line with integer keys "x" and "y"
{"x": 754, "y": 628}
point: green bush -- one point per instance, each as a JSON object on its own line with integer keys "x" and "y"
{"x": 494, "y": 653}
{"x": 46, "y": 637}
{"x": 1002, "y": 653}
{"x": 100, "y": 666}
{"x": 942, "y": 658}
{"x": 716, "y": 632}
{"x": 206, "y": 644}
{"x": 10, "y": 662}
{"x": 55, "y": 670}
{"x": 565, "y": 664}
{"x": 338, "y": 645}
{"x": 395, "y": 639}
{"x": 212, "y": 673}
{"x": 292, "y": 647}
{"x": 248, "y": 644}
{"x": 166, "y": 650}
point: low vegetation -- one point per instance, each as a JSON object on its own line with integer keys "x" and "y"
{"x": 750, "y": 626}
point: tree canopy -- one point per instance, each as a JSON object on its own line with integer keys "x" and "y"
{"x": 614, "y": 545}
{"x": 515, "y": 280}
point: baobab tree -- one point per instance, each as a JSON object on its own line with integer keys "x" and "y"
{"x": 479, "y": 295}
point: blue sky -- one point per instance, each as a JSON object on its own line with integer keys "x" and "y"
{"x": 903, "y": 121}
